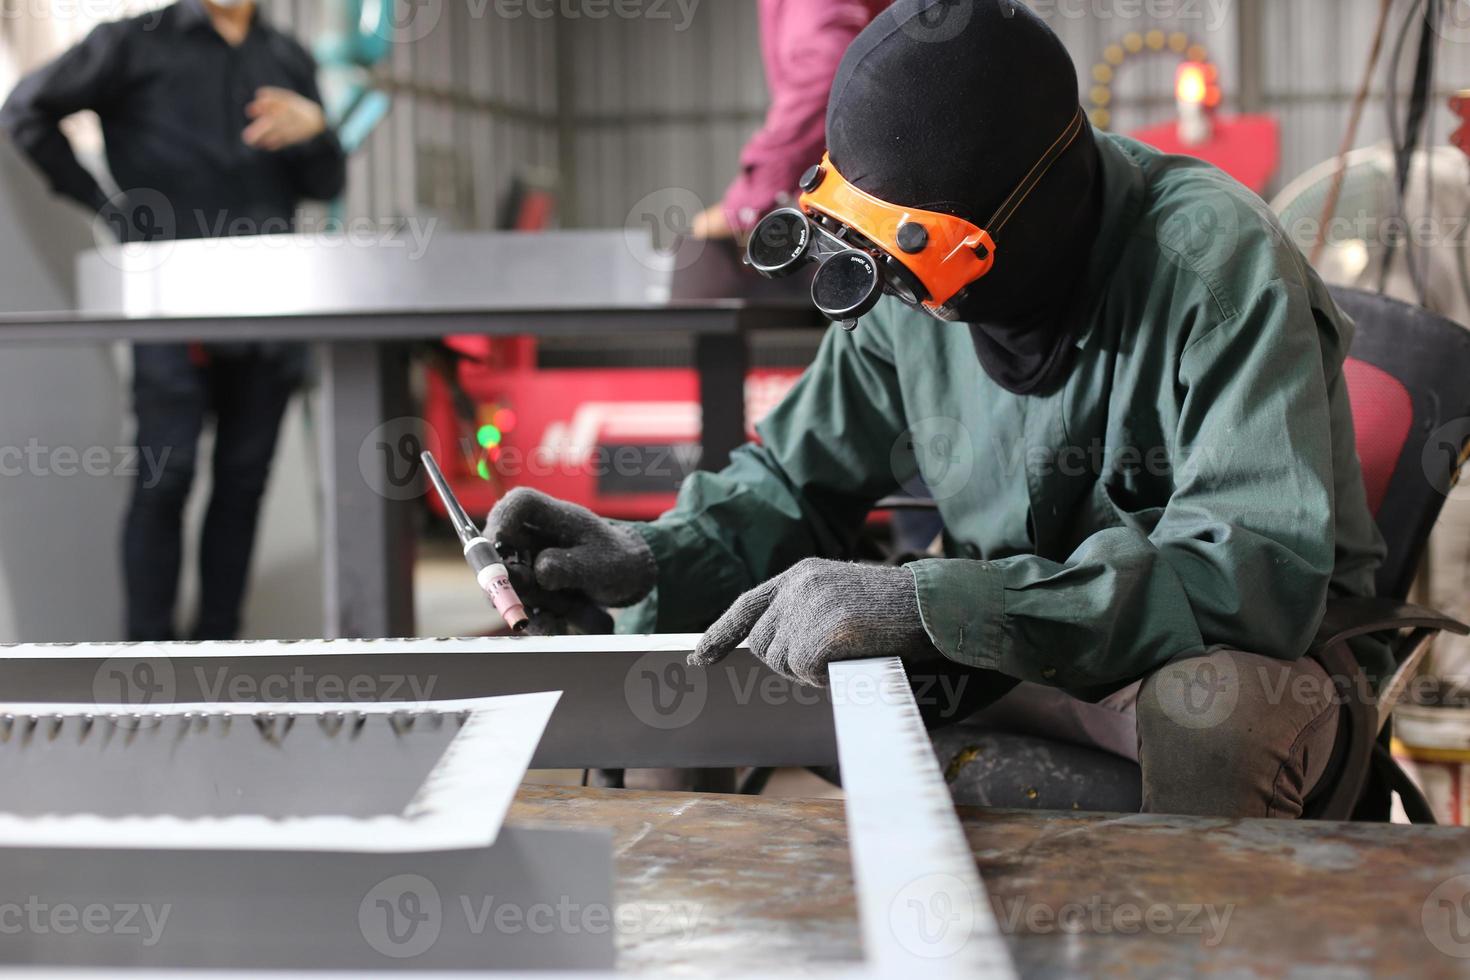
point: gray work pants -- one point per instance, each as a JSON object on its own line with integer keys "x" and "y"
{"x": 1225, "y": 734}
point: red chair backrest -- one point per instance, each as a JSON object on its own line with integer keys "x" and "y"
{"x": 1408, "y": 382}
{"x": 1383, "y": 413}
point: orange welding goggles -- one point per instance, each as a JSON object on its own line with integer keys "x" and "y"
{"x": 866, "y": 247}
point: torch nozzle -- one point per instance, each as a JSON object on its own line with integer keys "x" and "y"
{"x": 479, "y": 553}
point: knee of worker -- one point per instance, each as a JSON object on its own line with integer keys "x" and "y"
{"x": 240, "y": 480}
{"x": 1222, "y": 715}
{"x": 165, "y": 474}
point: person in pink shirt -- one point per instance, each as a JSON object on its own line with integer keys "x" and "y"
{"x": 801, "y": 43}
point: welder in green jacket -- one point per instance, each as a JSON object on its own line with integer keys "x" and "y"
{"x": 1131, "y": 414}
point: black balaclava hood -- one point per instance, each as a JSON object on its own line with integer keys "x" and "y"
{"x": 946, "y": 105}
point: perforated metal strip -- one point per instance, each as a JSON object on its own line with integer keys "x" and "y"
{"x": 924, "y": 908}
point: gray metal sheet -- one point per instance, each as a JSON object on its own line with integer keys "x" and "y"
{"x": 205, "y": 910}
{"x": 627, "y": 701}
{"x": 414, "y": 267}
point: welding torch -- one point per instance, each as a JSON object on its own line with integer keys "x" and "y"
{"x": 481, "y": 555}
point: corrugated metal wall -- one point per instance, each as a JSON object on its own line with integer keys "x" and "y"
{"x": 658, "y": 105}
{"x": 1302, "y": 60}
{"x": 624, "y": 107}
{"x": 475, "y": 104}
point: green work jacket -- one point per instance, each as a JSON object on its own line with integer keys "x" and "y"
{"x": 1192, "y": 483}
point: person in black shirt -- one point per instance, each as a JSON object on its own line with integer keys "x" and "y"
{"x": 213, "y": 126}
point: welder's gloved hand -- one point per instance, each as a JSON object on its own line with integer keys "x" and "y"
{"x": 574, "y": 555}
{"x": 821, "y": 611}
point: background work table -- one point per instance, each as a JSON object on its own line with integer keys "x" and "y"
{"x": 717, "y": 884}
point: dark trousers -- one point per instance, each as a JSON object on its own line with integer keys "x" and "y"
{"x": 246, "y": 389}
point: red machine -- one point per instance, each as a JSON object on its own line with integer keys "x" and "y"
{"x": 617, "y": 440}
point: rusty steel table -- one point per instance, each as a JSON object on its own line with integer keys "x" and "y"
{"x": 725, "y": 883}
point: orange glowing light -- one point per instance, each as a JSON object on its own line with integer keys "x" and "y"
{"x": 1190, "y": 86}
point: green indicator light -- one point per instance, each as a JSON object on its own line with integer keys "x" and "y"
{"x": 483, "y": 469}
{"x": 488, "y": 436}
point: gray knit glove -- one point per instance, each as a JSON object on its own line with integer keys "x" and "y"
{"x": 819, "y": 611}
{"x": 570, "y": 550}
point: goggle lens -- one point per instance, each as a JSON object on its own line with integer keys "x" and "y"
{"x": 848, "y": 285}
{"x": 779, "y": 242}
{"x": 849, "y": 281}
